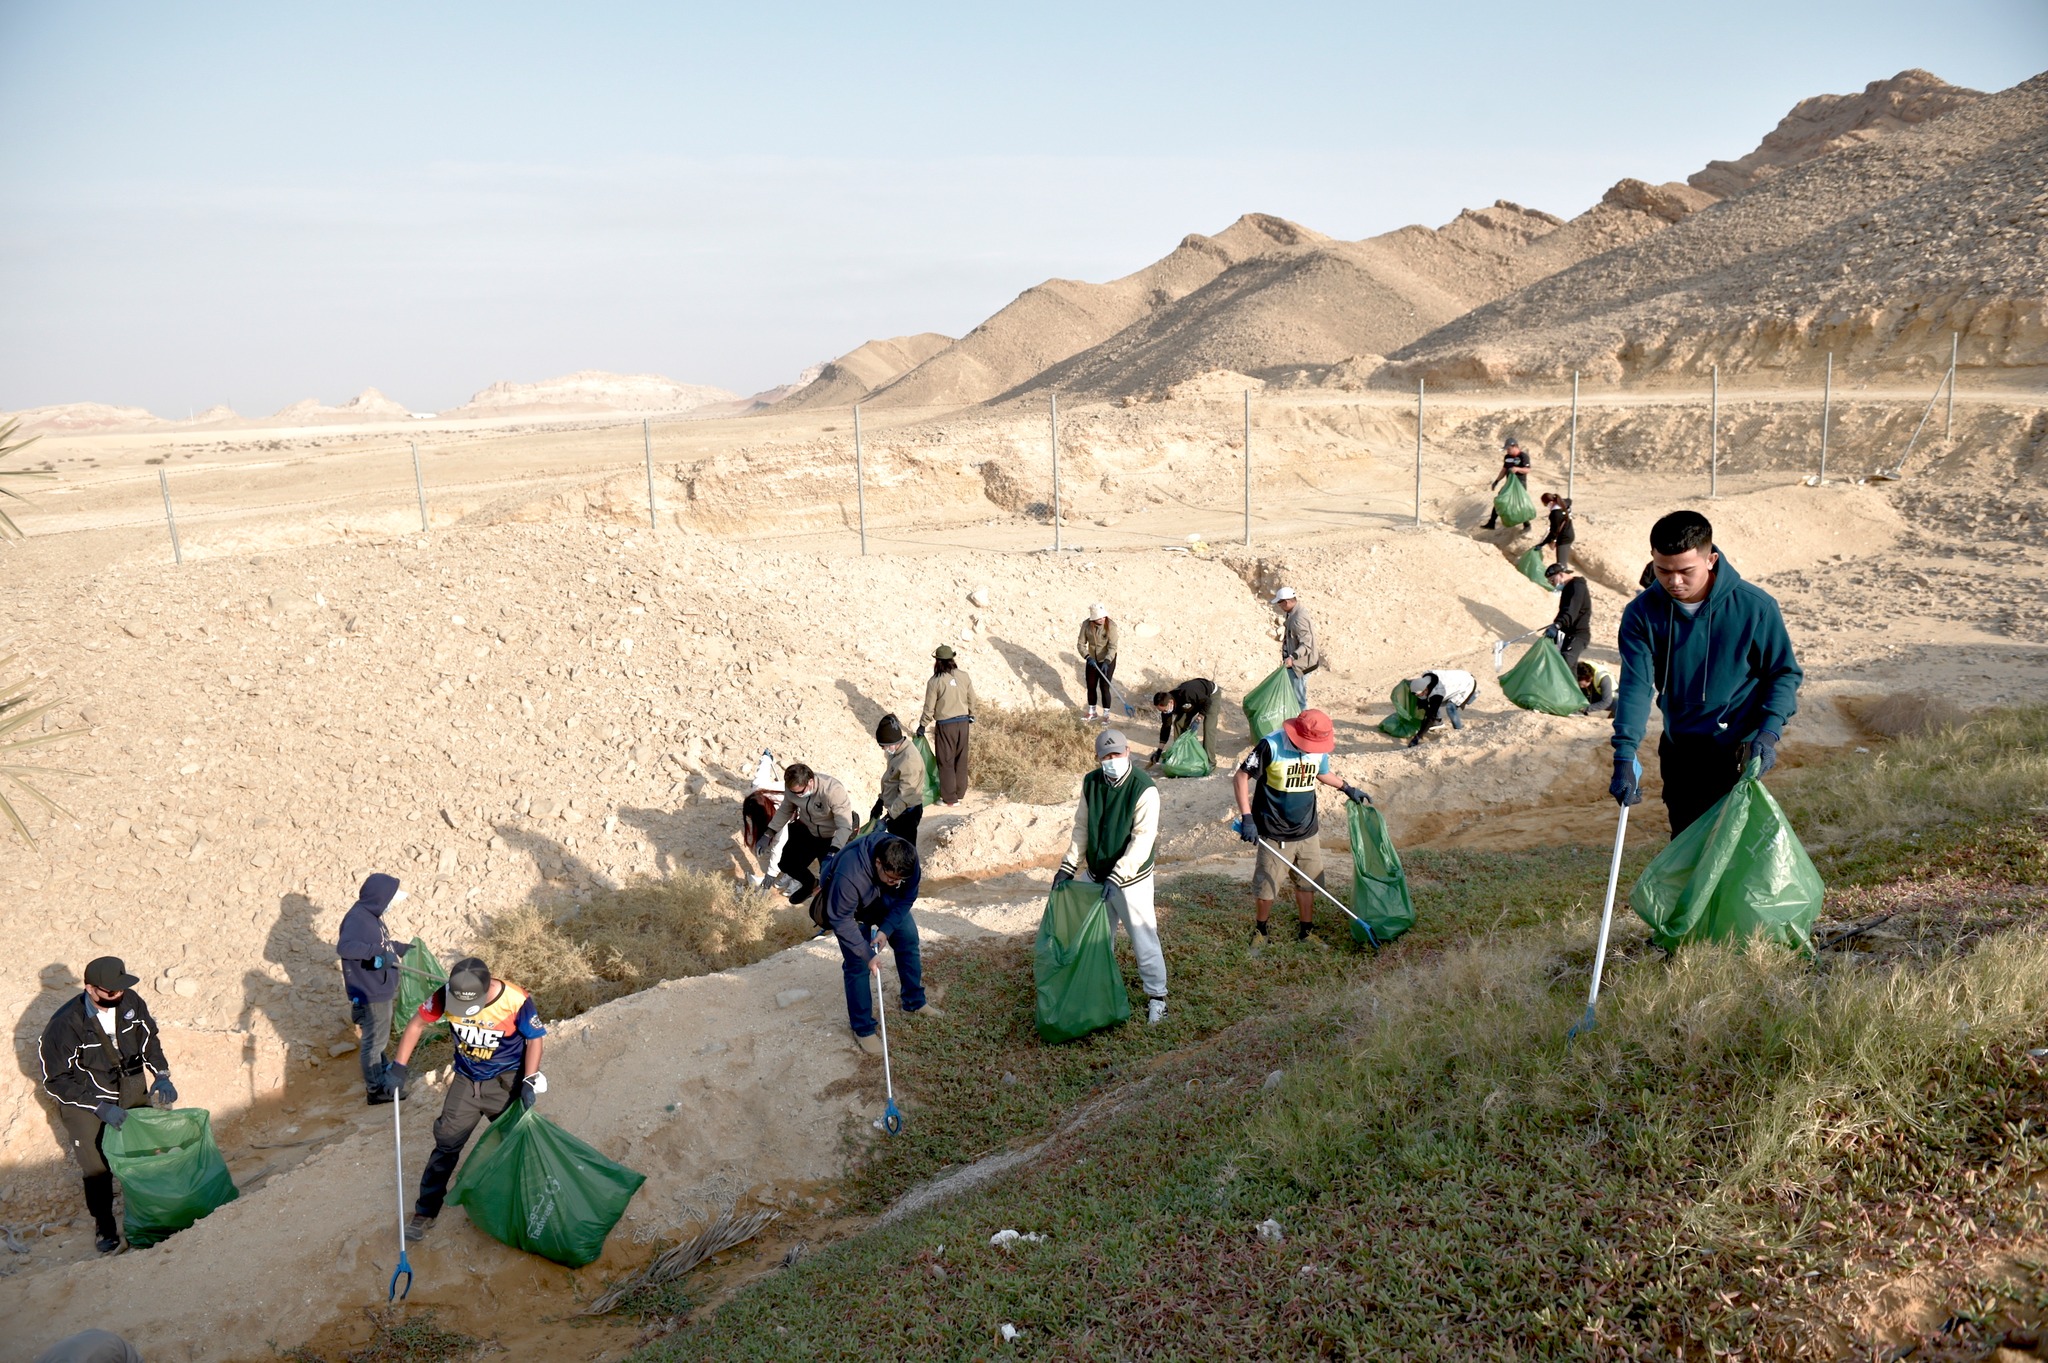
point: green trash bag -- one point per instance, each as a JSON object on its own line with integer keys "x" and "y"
{"x": 1186, "y": 756}
{"x": 1080, "y": 989}
{"x": 1406, "y": 721}
{"x": 171, "y": 1172}
{"x": 1270, "y": 704}
{"x": 1513, "y": 502}
{"x": 931, "y": 769}
{"x": 1543, "y": 681}
{"x": 1738, "y": 871}
{"x": 419, "y": 975}
{"x": 1531, "y": 564}
{"x": 535, "y": 1187}
{"x": 1379, "y": 888}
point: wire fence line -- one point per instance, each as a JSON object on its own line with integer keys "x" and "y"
{"x": 1273, "y": 457}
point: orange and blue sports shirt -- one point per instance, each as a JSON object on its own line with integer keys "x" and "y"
{"x": 493, "y": 1041}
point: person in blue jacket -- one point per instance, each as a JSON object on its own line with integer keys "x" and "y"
{"x": 1714, "y": 651}
{"x": 868, "y": 889}
{"x": 369, "y": 973}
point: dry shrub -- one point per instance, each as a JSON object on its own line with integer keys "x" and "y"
{"x": 624, "y": 940}
{"x": 1036, "y": 756}
{"x": 1903, "y": 714}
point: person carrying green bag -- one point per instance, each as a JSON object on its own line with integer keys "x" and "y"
{"x": 906, "y": 781}
{"x": 170, "y": 1170}
{"x": 1514, "y": 501}
{"x": 1197, "y": 698}
{"x": 1738, "y": 871}
{"x": 1116, "y": 833}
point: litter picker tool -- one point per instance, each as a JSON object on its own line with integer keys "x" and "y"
{"x": 1128, "y": 710}
{"x": 1586, "y": 1023}
{"x": 404, "y": 1269}
{"x": 1372, "y": 940}
{"x": 1502, "y": 647}
{"x": 891, "y": 1120}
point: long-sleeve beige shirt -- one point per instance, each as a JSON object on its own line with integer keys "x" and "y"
{"x": 1298, "y": 641}
{"x": 827, "y": 811}
{"x": 902, "y": 780}
{"x": 1097, "y": 640}
{"x": 948, "y": 695}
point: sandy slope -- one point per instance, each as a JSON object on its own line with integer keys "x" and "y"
{"x": 860, "y": 371}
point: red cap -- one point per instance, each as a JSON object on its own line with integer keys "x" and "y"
{"x": 1311, "y": 731}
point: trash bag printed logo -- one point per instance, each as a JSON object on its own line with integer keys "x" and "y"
{"x": 543, "y": 1209}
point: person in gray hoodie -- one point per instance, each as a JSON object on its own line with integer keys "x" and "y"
{"x": 369, "y": 973}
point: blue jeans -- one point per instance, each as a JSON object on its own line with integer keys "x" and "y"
{"x": 901, "y": 930}
{"x": 1300, "y": 681}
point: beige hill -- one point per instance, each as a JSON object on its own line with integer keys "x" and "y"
{"x": 592, "y": 391}
{"x": 865, "y": 368}
{"x": 368, "y": 405}
{"x": 1875, "y": 251}
{"x": 1828, "y": 123}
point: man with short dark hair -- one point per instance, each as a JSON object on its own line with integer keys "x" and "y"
{"x": 1713, "y": 650}
{"x": 497, "y": 1035}
{"x": 818, "y": 813}
{"x": 868, "y": 891}
{"x": 1572, "y": 630}
{"x": 1513, "y": 464}
{"x": 93, "y": 1052}
{"x": 1195, "y": 698}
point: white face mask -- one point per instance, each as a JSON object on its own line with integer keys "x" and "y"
{"x": 1115, "y": 767}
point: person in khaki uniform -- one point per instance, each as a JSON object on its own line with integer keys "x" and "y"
{"x": 949, "y": 704}
{"x": 818, "y": 813}
{"x": 1097, "y": 646}
{"x": 901, "y": 804}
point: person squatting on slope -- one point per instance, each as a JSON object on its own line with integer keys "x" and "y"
{"x": 1714, "y": 651}
{"x": 93, "y": 1052}
{"x": 369, "y": 976}
{"x": 1116, "y": 831}
{"x": 1276, "y": 803}
{"x": 1444, "y": 692}
{"x": 1195, "y": 698}
{"x": 818, "y": 813}
{"x": 949, "y": 703}
{"x": 497, "y": 1058}
{"x": 757, "y": 811}
{"x": 1563, "y": 533}
{"x": 901, "y": 803}
{"x": 869, "y": 889}
{"x": 1596, "y": 684}
{"x": 1097, "y": 646}
{"x": 1572, "y": 630}
{"x": 1298, "y": 651}
{"x": 1513, "y": 464}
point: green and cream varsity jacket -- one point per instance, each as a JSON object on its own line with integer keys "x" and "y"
{"x": 1116, "y": 828}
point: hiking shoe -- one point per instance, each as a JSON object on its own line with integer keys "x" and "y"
{"x": 417, "y": 1228}
{"x": 1302, "y": 930}
{"x": 109, "y": 1244}
{"x": 869, "y": 1044}
{"x": 934, "y": 995}
{"x": 930, "y": 1010}
{"x": 1258, "y": 942}
{"x": 1155, "y": 1010}
{"x": 803, "y": 895}
{"x": 377, "y": 1097}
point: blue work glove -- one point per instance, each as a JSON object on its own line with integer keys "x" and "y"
{"x": 1627, "y": 785}
{"x": 111, "y": 1113}
{"x": 166, "y": 1092}
{"x": 1357, "y": 796}
{"x": 395, "y": 1075}
{"x": 1764, "y": 748}
{"x": 1246, "y": 829}
{"x": 1061, "y": 877}
{"x": 1107, "y": 886}
{"x": 531, "y": 1088}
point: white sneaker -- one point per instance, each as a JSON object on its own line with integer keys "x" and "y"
{"x": 1154, "y": 1010}
{"x": 788, "y": 884}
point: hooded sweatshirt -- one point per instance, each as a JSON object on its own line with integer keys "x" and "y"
{"x": 855, "y": 897}
{"x": 369, "y": 958}
{"x": 1724, "y": 672}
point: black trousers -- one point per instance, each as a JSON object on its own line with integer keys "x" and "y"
{"x": 469, "y": 1101}
{"x": 1574, "y": 645}
{"x": 1493, "y": 518}
{"x": 1697, "y": 771}
{"x": 801, "y": 854}
{"x": 904, "y": 825}
{"x": 86, "y": 1131}
{"x": 1099, "y": 676}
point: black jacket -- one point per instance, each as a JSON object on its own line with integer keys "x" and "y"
{"x": 369, "y": 958}
{"x": 1190, "y": 699}
{"x": 1562, "y": 531}
{"x": 1575, "y": 609}
{"x": 81, "y": 1070}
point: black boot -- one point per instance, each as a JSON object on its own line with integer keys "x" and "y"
{"x": 99, "y": 1200}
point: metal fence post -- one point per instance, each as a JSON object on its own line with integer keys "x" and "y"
{"x": 1247, "y": 467}
{"x": 860, "y": 496}
{"x": 1055, "y": 471}
{"x": 419, "y": 486}
{"x": 1571, "y": 467}
{"x": 1419, "y": 385}
{"x": 1948, "y": 429}
{"x": 164, "y": 482}
{"x": 647, "y": 443}
{"x": 1714, "y": 424}
{"x": 1827, "y": 405}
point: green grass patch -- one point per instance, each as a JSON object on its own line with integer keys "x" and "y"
{"x": 401, "y": 1337}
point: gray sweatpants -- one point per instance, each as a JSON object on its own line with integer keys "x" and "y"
{"x": 373, "y": 1023}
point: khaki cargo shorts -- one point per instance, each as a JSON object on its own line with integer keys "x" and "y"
{"x": 1270, "y": 876}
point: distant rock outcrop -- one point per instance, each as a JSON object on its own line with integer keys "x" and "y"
{"x": 860, "y": 371}
{"x": 1828, "y": 123}
{"x": 592, "y": 391}
{"x": 368, "y": 405}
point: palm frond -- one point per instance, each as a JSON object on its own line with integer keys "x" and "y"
{"x": 8, "y": 446}
{"x": 17, "y": 709}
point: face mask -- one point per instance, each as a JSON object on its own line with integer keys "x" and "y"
{"x": 1115, "y": 767}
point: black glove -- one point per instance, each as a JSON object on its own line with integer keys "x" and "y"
{"x": 164, "y": 1089}
{"x": 399, "y": 949}
{"x": 395, "y": 1074}
{"x": 1357, "y": 796}
{"x": 876, "y": 812}
{"x": 1764, "y": 748}
{"x": 1627, "y": 785}
{"x": 111, "y": 1113}
{"x": 531, "y": 1088}
{"x": 920, "y": 732}
{"x": 1246, "y": 829}
{"x": 1061, "y": 877}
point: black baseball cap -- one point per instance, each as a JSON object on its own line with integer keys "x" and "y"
{"x": 107, "y": 973}
{"x": 1554, "y": 569}
{"x": 469, "y": 986}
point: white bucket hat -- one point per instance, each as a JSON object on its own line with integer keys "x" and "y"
{"x": 1098, "y": 611}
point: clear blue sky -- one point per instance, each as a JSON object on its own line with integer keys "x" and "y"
{"x": 255, "y": 203}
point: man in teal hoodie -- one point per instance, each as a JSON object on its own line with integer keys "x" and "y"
{"x": 1714, "y": 650}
